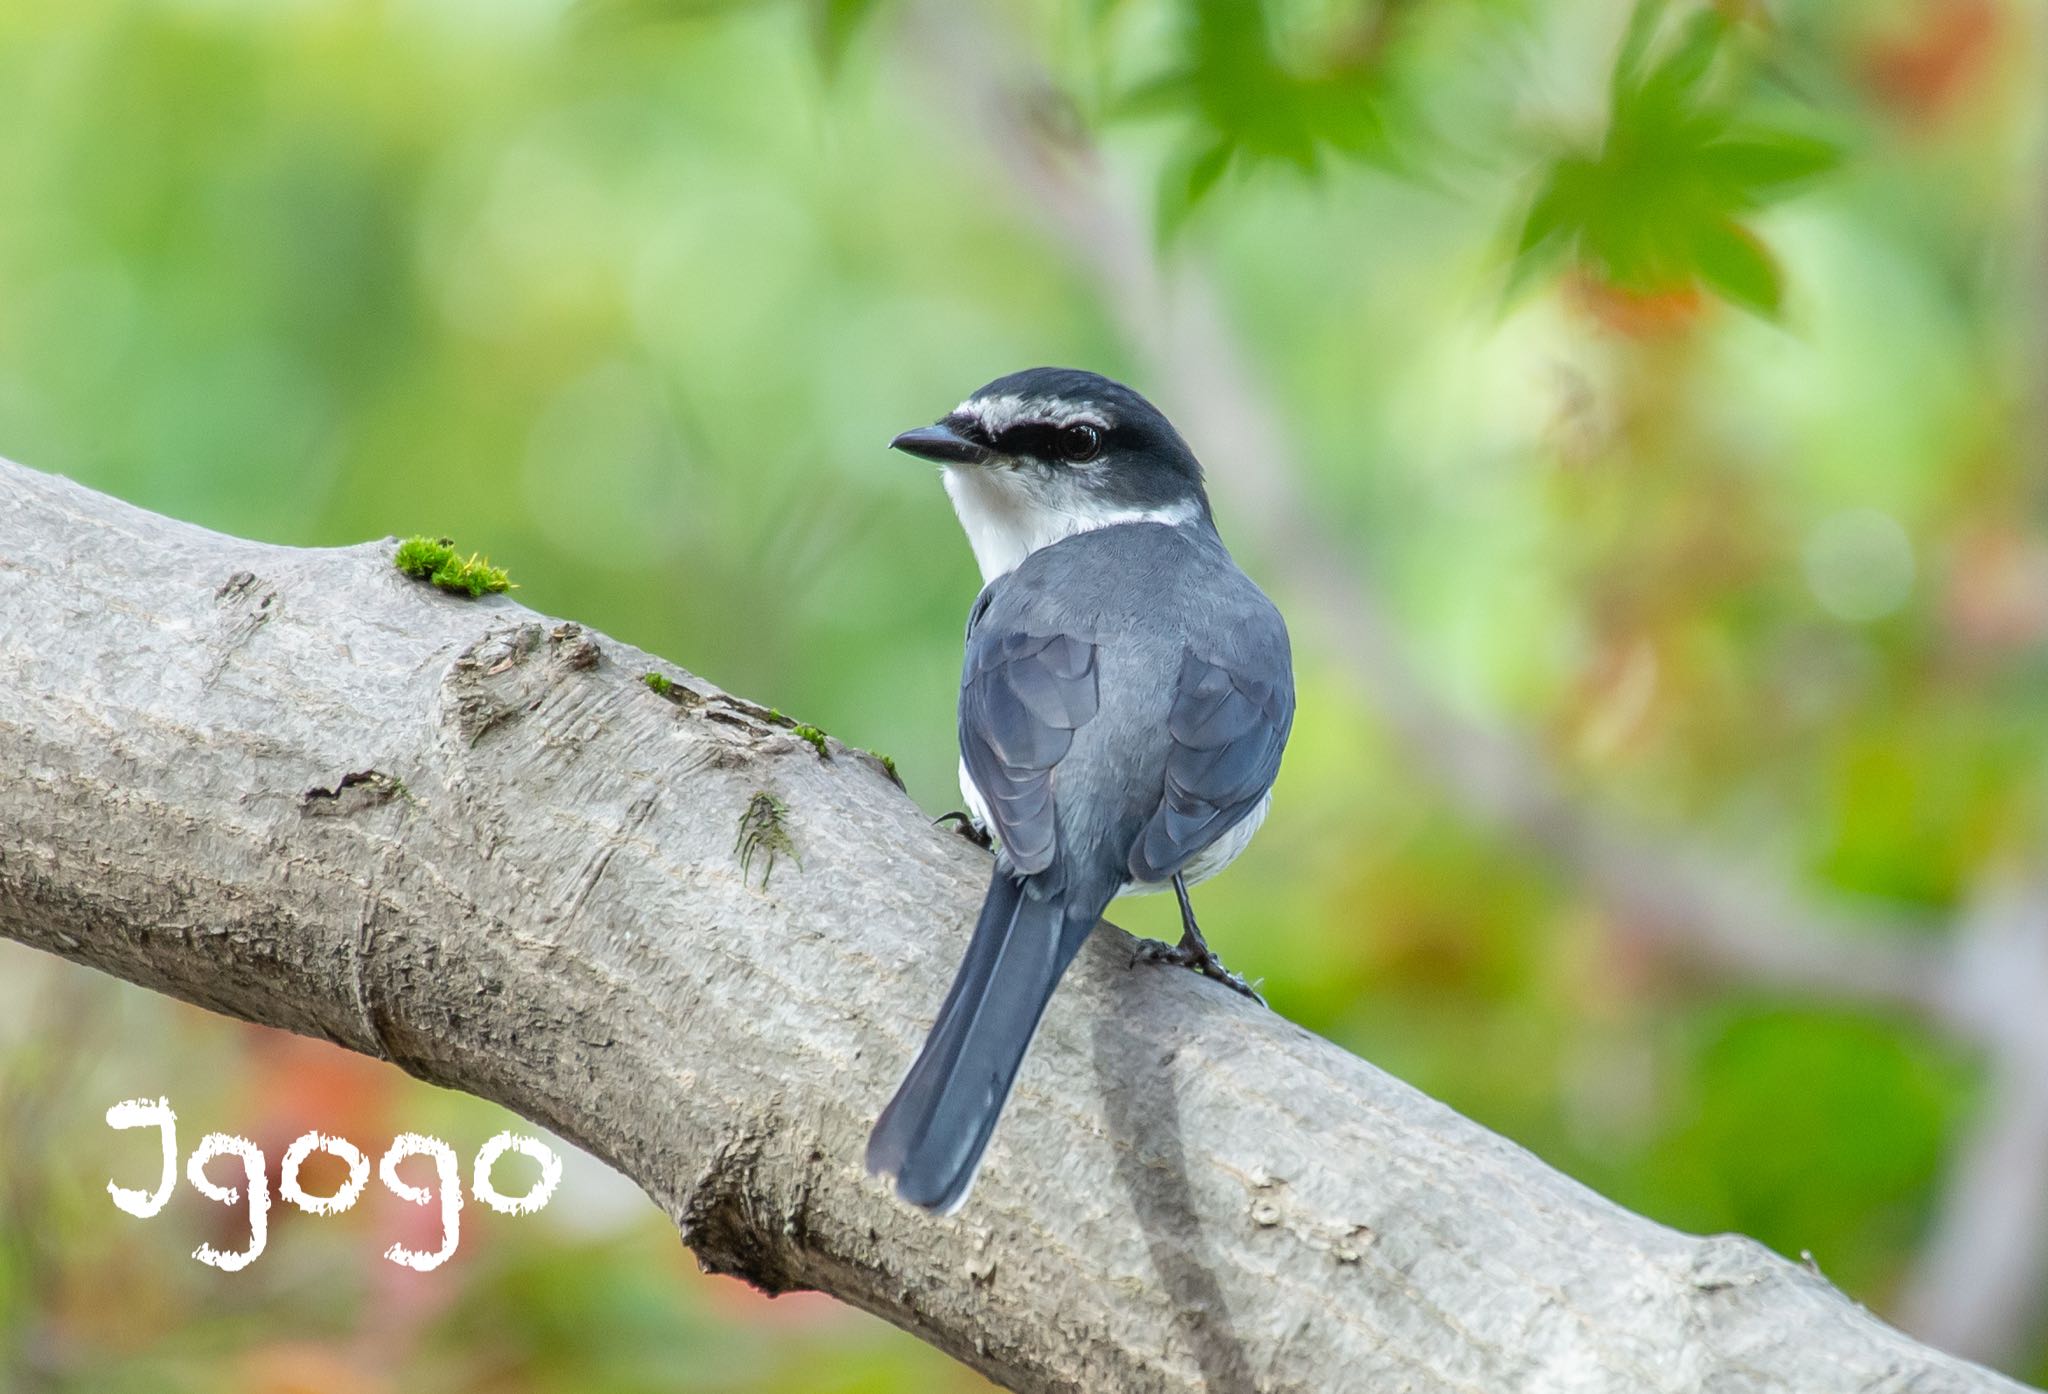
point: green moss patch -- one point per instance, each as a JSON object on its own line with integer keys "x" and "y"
{"x": 435, "y": 561}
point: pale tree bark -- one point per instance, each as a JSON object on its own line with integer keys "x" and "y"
{"x": 294, "y": 787}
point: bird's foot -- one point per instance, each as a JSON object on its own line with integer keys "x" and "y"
{"x": 1192, "y": 952}
{"x": 964, "y": 824}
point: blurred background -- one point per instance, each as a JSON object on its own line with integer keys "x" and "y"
{"x": 1639, "y": 410}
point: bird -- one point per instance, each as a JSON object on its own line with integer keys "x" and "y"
{"x": 1125, "y": 697}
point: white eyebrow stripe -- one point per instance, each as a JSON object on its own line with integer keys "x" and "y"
{"x": 979, "y": 407}
{"x": 998, "y": 414}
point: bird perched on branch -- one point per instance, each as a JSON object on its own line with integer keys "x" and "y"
{"x": 1123, "y": 704}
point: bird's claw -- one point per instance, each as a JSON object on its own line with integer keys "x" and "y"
{"x": 964, "y": 824}
{"x": 1198, "y": 956}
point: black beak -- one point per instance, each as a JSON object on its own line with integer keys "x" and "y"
{"x": 942, "y": 443}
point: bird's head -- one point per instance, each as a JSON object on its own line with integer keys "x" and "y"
{"x": 1041, "y": 455}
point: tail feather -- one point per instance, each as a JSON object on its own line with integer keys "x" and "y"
{"x": 932, "y": 1135}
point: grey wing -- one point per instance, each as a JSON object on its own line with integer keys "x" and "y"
{"x": 1228, "y": 723}
{"x": 1022, "y": 697}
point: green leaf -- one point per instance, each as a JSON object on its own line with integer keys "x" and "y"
{"x": 1675, "y": 81}
{"x": 1633, "y": 59}
{"x": 1345, "y": 113}
{"x": 1186, "y": 182}
{"x": 1734, "y": 262}
{"x": 834, "y": 24}
{"x": 1558, "y": 207}
{"x": 600, "y": 15}
{"x": 1549, "y": 229}
{"x": 1760, "y": 164}
{"x": 1657, "y": 207}
{"x": 1166, "y": 95}
{"x": 1206, "y": 169}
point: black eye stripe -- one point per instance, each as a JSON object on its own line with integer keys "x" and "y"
{"x": 1033, "y": 438}
{"x": 1041, "y": 440}
{"x": 971, "y": 428}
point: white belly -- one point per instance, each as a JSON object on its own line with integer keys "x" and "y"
{"x": 976, "y": 804}
{"x": 1204, "y": 864}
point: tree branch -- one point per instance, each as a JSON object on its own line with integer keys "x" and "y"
{"x": 297, "y": 788}
{"x": 1977, "y": 1286}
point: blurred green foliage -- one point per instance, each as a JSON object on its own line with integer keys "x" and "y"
{"x": 1656, "y": 210}
{"x": 631, "y": 296}
{"x": 1248, "y": 106}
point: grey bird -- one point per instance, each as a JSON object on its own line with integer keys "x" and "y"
{"x": 1124, "y": 701}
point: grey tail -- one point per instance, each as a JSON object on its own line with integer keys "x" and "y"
{"x": 932, "y": 1134}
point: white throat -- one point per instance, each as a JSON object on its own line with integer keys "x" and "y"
{"x": 1007, "y": 518}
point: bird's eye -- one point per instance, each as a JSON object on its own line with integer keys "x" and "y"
{"x": 1080, "y": 442}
